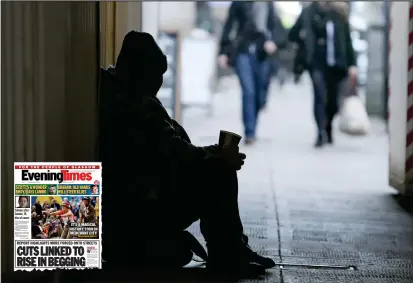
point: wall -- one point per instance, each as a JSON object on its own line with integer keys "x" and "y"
{"x": 128, "y": 17}
{"x": 372, "y": 11}
{"x": 398, "y": 93}
{"x": 151, "y": 17}
{"x": 116, "y": 20}
{"x": 375, "y": 84}
{"x": 51, "y": 54}
{"x": 107, "y": 13}
{"x": 220, "y": 11}
{"x": 49, "y": 91}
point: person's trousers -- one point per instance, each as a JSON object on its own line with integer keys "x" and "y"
{"x": 254, "y": 77}
{"x": 327, "y": 87}
{"x": 206, "y": 191}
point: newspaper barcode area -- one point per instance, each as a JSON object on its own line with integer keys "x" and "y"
{"x": 57, "y": 215}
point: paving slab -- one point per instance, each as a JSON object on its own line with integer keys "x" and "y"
{"x": 306, "y": 206}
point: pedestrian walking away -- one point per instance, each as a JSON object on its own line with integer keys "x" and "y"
{"x": 259, "y": 33}
{"x": 330, "y": 59}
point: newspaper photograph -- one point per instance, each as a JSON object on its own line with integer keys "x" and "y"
{"x": 57, "y": 215}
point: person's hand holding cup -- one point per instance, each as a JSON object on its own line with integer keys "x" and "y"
{"x": 233, "y": 156}
{"x": 228, "y": 142}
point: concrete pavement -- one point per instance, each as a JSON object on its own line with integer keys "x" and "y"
{"x": 300, "y": 205}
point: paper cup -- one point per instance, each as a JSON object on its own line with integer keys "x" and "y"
{"x": 228, "y": 139}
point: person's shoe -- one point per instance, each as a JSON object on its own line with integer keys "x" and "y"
{"x": 249, "y": 256}
{"x": 263, "y": 107}
{"x": 250, "y": 141}
{"x": 240, "y": 260}
{"x": 319, "y": 142}
{"x": 297, "y": 79}
{"x": 329, "y": 135}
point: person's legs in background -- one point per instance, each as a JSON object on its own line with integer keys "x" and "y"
{"x": 275, "y": 66}
{"x": 262, "y": 71}
{"x": 244, "y": 66}
{"x": 263, "y": 74}
{"x": 335, "y": 80}
{"x": 319, "y": 88}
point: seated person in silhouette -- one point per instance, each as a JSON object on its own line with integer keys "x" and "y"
{"x": 157, "y": 183}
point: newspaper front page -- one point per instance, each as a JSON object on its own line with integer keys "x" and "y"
{"x": 57, "y": 215}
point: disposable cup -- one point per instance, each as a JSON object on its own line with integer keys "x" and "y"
{"x": 228, "y": 139}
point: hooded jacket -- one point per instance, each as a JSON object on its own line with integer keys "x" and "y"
{"x": 142, "y": 146}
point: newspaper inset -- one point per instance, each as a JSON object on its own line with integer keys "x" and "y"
{"x": 57, "y": 215}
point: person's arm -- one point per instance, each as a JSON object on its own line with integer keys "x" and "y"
{"x": 294, "y": 34}
{"x": 210, "y": 150}
{"x": 225, "y": 42}
{"x": 162, "y": 136}
{"x": 277, "y": 32}
{"x": 67, "y": 214}
{"x": 180, "y": 131}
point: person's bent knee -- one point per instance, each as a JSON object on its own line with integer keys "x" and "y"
{"x": 219, "y": 171}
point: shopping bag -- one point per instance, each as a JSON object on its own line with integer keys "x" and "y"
{"x": 353, "y": 117}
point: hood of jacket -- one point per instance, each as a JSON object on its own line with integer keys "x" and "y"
{"x": 140, "y": 58}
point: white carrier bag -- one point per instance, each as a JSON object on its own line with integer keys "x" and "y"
{"x": 353, "y": 117}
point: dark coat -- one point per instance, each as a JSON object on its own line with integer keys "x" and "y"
{"x": 152, "y": 146}
{"x": 238, "y": 17}
{"x": 135, "y": 125}
{"x": 345, "y": 55}
{"x": 141, "y": 148}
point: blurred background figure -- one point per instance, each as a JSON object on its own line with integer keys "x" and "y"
{"x": 299, "y": 64}
{"x": 284, "y": 61}
{"x": 324, "y": 29}
{"x": 258, "y": 34}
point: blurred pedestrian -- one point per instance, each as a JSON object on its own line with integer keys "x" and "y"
{"x": 329, "y": 57}
{"x": 259, "y": 33}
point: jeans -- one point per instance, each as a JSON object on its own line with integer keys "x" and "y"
{"x": 328, "y": 85}
{"x": 254, "y": 77}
